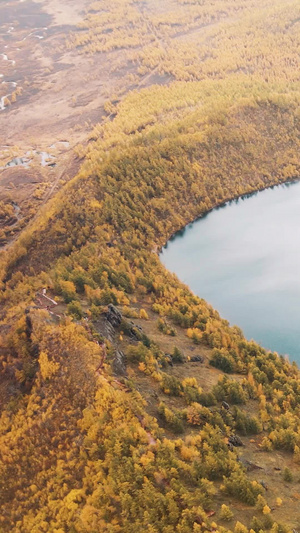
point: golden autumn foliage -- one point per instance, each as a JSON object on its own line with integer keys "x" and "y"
{"x": 47, "y": 367}
{"x": 108, "y": 429}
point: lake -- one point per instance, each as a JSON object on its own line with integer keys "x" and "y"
{"x": 244, "y": 259}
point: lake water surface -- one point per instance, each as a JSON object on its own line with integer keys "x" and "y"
{"x": 244, "y": 259}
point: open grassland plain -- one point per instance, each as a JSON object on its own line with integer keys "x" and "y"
{"x": 127, "y": 403}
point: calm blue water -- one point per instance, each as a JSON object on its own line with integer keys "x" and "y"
{"x": 244, "y": 259}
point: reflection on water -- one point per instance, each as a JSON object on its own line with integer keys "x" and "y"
{"x": 244, "y": 259}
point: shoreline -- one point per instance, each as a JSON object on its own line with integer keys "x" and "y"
{"x": 229, "y": 200}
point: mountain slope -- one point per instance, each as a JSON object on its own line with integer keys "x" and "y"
{"x": 127, "y": 403}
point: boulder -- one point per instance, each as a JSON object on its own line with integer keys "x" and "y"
{"x": 234, "y": 440}
{"x": 196, "y": 359}
{"x": 226, "y": 406}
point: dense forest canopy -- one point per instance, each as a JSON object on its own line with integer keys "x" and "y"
{"x": 127, "y": 403}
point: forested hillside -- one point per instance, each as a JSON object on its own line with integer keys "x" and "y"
{"x": 127, "y": 403}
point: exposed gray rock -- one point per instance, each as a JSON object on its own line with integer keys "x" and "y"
{"x": 169, "y": 359}
{"x": 226, "y": 406}
{"x": 109, "y": 331}
{"x": 251, "y": 466}
{"x": 196, "y": 359}
{"x": 114, "y": 316}
{"x": 119, "y": 363}
{"x": 235, "y": 440}
{"x": 263, "y": 484}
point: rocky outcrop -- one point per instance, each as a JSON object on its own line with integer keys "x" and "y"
{"x": 113, "y": 316}
{"x": 113, "y": 321}
{"x": 234, "y": 440}
{"x": 119, "y": 363}
{"x": 135, "y": 331}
